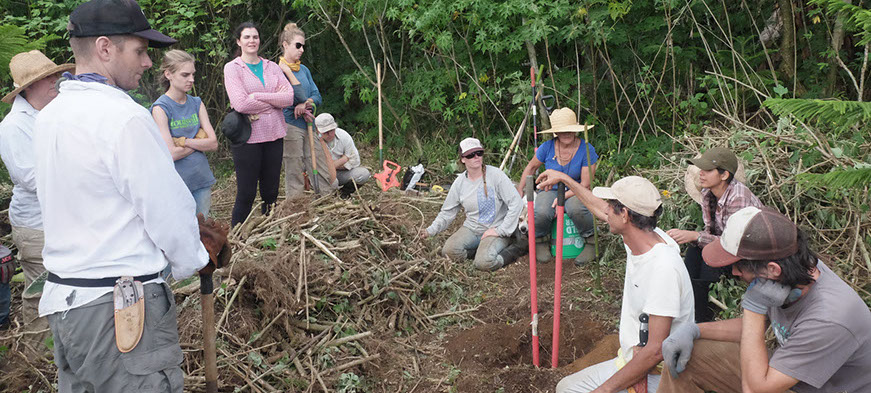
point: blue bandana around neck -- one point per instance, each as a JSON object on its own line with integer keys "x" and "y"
{"x": 89, "y": 77}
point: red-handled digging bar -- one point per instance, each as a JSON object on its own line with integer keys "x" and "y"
{"x": 557, "y": 290}
{"x": 533, "y": 281}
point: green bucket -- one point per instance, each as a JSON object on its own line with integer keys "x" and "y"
{"x": 573, "y": 243}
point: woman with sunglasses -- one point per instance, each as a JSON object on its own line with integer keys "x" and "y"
{"x": 257, "y": 88}
{"x": 306, "y": 97}
{"x": 492, "y": 208}
{"x": 566, "y": 153}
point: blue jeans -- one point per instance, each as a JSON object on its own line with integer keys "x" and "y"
{"x": 464, "y": 242}
{"x": 5, "y": 302}
{"x": 544, "y": 214}
{"x": 203, "y": 198}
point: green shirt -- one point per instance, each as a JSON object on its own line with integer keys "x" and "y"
{"x": 257, "y": 69}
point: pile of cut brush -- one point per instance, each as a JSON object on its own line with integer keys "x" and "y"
{"x": 311, "y": 289}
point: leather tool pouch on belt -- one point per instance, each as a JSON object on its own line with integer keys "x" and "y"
{"x": 129, "y": 313}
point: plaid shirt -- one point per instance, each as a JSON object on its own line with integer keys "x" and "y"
{"x": 242, "y": 84}
{"x": 736, "y": 197}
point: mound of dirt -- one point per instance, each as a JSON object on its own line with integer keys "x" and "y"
{"x": 498, "y": 345}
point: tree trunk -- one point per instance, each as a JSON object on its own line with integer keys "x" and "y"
{"x": 787, "y": 46}
{"x": 837, "y": 42}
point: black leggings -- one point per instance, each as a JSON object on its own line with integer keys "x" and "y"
{"x": 256, "y": 162}
{"x": 701, "y": 277}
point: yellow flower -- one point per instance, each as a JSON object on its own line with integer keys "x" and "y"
{"x": 666, "y": 194}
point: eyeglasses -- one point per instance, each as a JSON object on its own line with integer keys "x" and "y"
{"x": 479, "y": 153}
{"x": 300, "y": 45}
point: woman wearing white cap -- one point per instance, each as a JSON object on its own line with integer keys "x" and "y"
{"x": 492, "y": 207}
{"x": 566, "y": 153}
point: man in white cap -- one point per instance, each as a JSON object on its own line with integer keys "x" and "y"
{"x": 115, "y": 214}
{"x": 346, "y": 158}
{"x": 35, "y": 78}
{"x": 656, "y": 283}
{"x": 820, "y": 323}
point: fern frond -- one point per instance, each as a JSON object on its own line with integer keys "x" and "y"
{"x": 13, "y": 41}
{"x": 837, "y": 113}
{"x": 857, "y": 19}
{"x": 843, "y": 178}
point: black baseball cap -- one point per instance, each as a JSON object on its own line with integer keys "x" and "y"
{"x": 114, "y": 17}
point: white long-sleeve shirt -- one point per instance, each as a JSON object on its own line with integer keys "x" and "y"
{"x": 112, "y": 202}
{"x": 16, "y": 148}
{"x": 498, "y": 208}
{"x": 343, "y": 145}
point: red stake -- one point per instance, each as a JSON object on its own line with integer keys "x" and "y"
{"x": 557, "y": 290}
{"x": 533, "y": 281}
{"x": 534, "y": 110}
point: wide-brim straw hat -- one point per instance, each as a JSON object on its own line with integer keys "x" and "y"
{"x": 565, "y": 120}
{"x": 28, "y": 68}
{"x": 693, "y": 185}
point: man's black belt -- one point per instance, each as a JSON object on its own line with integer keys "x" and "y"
{"x": 95, "y": 282}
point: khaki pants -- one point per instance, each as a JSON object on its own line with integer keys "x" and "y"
{"x": 29, "y": 243}
{"x": 713, "y": 366}
{"x": 297, "y": 158}
{"x": 88, "y": 360}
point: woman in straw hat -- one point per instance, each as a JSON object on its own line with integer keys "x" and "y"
{"x": 35, "y": 79}
{"x": 716, "y": 181}
{"x": 492, "y": 208}
{"x": 567, "y": 153}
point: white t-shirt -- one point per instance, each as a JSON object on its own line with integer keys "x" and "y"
{"x": 657, "y": 283}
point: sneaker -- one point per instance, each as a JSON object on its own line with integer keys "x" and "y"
{"x": 542, "y": 250}
{"x": 588, "y": 254}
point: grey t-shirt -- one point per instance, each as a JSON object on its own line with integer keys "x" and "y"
{"x": 184, "y": 121}
{"x": 825, "y": 338}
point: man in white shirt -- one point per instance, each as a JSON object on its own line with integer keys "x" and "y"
{"x": 113, "y": 206}
{"x": 34, "y": 77}
{"x": 657, "y": 283}
{"x": 346, "y": 158}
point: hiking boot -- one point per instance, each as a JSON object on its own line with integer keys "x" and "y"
{"x": 542, "y": 250}
{"x": 511, "y": 254}
{"x": 588, "y": 254}
{"x": 346, "y": 190}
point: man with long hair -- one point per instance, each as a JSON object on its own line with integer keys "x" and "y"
{"x": 820, "y": 322}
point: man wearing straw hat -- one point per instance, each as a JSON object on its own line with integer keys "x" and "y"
{"x": 576, "y": 157}
{"x": 720, "y": 177}
{"x": 116, "y": 213}
{"x": 656, "y": 283}
{"x": 34, "y": 77}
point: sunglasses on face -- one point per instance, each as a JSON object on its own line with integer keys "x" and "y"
{"x": 300, "y": 45}
{"x": 479, "y": 153}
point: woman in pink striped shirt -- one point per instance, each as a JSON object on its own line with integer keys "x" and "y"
{"x": 258, "y": 88}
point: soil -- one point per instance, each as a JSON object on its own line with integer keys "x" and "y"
{"x": 481, "y": 343}
{"x": 494, "y": 352}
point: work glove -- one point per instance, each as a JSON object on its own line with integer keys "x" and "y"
{"x": 7, "y": 265}
{"x": 213, "y": 234}
{"x": 763, "y": 294}
{"x": 677, "y": 348}
{"x": 201, "y": 134}
{"x": 179, "y": 141}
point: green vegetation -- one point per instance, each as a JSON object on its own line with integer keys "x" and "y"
{"x": 781, "y": 82}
